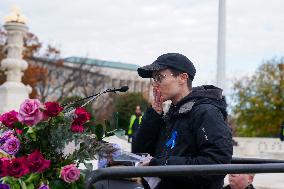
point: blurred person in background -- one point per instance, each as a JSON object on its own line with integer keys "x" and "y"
{"x": 135, "y": 121}
{"x": 240, "y": 181}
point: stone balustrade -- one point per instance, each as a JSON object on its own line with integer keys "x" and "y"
{"x": 259, "y": 147}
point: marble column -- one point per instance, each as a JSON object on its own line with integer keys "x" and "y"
{"x": 13, "y": 92}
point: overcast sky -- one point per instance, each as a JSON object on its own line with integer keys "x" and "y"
{"x": 137, "y": 31}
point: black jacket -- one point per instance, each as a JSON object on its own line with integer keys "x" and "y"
{"x": 202, "y": 137}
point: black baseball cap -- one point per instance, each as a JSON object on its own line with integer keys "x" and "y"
{"x": 170, "y": 60}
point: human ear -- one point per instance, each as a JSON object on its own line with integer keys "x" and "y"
{"x": 184, "y": 77}
{"x": 250, "y": 179}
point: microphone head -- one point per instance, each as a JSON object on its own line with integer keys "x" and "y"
{"x": 123, "y": 89}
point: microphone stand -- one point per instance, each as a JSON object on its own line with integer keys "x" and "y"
{"x": 91, "y": 98}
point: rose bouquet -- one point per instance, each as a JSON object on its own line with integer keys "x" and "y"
{"x": 33, "y": 146}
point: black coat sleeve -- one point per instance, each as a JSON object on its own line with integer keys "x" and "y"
{"x": 213, "y": 137}
{"x": 147, "y": 133}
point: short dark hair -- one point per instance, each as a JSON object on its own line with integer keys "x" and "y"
{"x": 178, "y": 72}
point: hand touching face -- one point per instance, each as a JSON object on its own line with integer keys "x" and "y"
{"x": 157, "y": 103}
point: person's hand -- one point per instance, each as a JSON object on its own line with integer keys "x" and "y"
{"x": 157, "y": 104}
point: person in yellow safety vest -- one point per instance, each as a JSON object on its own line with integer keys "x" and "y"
{"x": 135, "y": 121}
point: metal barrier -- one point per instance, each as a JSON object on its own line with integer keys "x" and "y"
{"x": 255, "y": 166}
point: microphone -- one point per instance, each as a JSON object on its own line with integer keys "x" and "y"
{"x": 122, "y": 89}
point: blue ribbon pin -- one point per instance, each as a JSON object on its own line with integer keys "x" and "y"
{"x": 172, "y": 140}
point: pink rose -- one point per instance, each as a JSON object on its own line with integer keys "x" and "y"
{"x": 9, "y": 118}
{"x": 11, "y": 146}
{"x": 52, "y": 109}
{"x": 6, "y": 135}
{"x": 77, "y": 128}
{"x": 30, "y": 113}
{"x": 70, "y": 173}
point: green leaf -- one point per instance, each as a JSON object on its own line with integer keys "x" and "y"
{"x": 74, "y": 186}
{"x": 99, "y": 131}
{"x": 57, "y": 184}
{"x": 15, "y": 186}
{"x": 30, "y": 130}
{"x": 19, "y": 125}
{"x": 31, "y": 133}
{"x": 5, "y": 179}
{"x": 23, "y": 184}
{"x": 30, "y": 186}
{"x": 82, "y": 144}
{"x": 32, "y": 178}
{"x": 89, "y": 166}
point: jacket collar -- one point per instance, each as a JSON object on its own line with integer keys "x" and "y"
{"x": 201, "y": 92}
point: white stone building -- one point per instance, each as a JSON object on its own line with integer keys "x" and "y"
{"x": 120, "y": 74}
{"x": 94, "y": 75}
